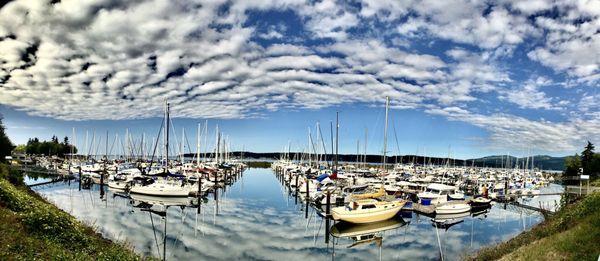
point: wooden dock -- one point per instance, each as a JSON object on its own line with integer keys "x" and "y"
{"x": 48, "y": 182}
{"x": 538, "y": 209}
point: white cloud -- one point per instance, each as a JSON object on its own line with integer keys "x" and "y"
{"x": 530, "y": 96}
{"x": 121, "y": 59}
{"x": 513, "y": 132}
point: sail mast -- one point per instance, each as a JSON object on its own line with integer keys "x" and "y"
{"x": 387, "y": 104}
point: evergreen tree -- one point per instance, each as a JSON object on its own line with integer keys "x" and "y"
{"x": 6, "y": 145}
{"x": 572, "y": 165}
{"x": 587, "y": 158}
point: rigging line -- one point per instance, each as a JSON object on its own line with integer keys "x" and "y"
{"x": 123, "y": 147}
{"x": 396, "y": 136}
{"x": 154, "y": 230}
{"x": 98, "y": 146}
{"x": 323, "y": 142}
{"x": 174, "y": 135}
{"x": 156, "y": 143}
{"x": 188, "y": 143}
{"x": 113, "y": 144}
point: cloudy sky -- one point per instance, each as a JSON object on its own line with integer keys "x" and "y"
{"x": 469, "y": 77}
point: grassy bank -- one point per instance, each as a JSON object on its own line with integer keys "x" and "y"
{"x": 572, "y": 233}
{"x": 32, "y": 228}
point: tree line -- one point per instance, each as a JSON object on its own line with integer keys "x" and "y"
{"x": 48, "y": 148}
{"x": 589, "y": 161}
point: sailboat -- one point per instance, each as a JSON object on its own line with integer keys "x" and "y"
{"x": 374, "y": 209}
{"x": 173, "y": 185}
{"x": 367, "y": 211}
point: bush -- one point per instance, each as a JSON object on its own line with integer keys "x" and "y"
{"x": 59, "y": 229}
{"x": 10, "y": 174}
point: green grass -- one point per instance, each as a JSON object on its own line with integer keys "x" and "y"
{"x": 572, "y": 233}
{"x": 32, "y": 228}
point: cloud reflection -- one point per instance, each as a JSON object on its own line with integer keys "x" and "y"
{"x": 256, "y": 221}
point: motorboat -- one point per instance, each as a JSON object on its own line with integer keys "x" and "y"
{"x": 452, "y": 208}
{"x": 367, "y": 210}
{"x": 164, "y": 188}
{"x": 436, "y": 194}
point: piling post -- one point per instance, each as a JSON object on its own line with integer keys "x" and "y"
{"x": 199, "y": 187}
{"x": 327, "y": 211}
{"x": 79, "y": 178}
{"x": 307, "y": 199}
{"x": 328, "y": 202}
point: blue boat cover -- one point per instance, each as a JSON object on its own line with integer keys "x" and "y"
{"x": 322, "y": 177}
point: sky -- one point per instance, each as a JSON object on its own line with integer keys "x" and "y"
{"x": 464, "y": 78}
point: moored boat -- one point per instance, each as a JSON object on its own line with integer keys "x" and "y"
{"x": 367, "y": 211}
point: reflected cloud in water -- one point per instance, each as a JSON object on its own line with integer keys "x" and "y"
{"x": 256, "y": 219}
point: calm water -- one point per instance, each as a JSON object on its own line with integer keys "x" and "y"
{"x": 255, "y": 218}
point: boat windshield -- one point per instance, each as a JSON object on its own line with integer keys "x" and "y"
{"x": 434, "y": 191}
{"x": 368, "y": 206}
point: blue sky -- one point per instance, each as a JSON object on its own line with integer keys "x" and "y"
{"x": 465, "y": 78}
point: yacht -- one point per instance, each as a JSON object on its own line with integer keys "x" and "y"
{"x": 436, "y": 194}
{"x": 367, "y": 210}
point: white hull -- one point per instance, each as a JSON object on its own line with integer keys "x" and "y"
{"x": 452, "y": 208}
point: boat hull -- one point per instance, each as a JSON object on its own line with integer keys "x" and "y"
{"x": 452, "y": 209}
{"x": 340, "y": 213}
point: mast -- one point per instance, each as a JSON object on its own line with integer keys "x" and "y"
{"x": 182, "y": 147}
{"x": 198, "y": 136}
{"x": 366, "y": 140}
{"x": 387, "y": 104}
{"x": 217, "y": 145}
{"x": 337, "y": 138}
{"x": 167, "y": 135}
{"x": 71, "y": 149}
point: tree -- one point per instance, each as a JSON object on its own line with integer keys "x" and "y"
{"x": 6, "y": 146}
{"x": 572, "y": 165}
{"x": 587, "y": 159}
{"x": 21, "y": 149}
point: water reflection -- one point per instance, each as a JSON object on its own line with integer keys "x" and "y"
{"x": 257, "y": 218}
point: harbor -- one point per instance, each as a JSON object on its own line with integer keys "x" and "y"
{"x": 299, "y": 130}
{"x": 259, "y": 218}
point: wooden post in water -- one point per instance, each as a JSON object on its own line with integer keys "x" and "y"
{"x": 327, "y": 211}
{"x": 307, "y": 199}
{"x": 79, "y": 178}
{"x": 296, "y": 189}
{"x": 199, "y": 187}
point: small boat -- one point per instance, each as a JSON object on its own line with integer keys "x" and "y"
{"x": 436, "y": 194}
{"x": 480, "y": 201}
{"x": 452, "y": 208}
{"x": 456, "y": 196}
{"x": 379, "y": 193}
{"x": 367, "y": 210}
{"x": 164, "y": 188}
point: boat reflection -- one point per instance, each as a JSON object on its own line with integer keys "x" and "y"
{"x": 159, "y": 206}
{"x": 365, "y": 233}
{"x": 145, "y": 200}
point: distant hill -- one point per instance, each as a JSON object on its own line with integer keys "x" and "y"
{"x": 540, "y": 161}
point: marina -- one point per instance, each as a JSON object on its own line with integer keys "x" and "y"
{"x": 299, "y": 130}
{"x": 257, "y": 217}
